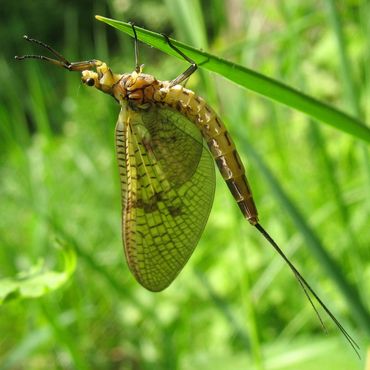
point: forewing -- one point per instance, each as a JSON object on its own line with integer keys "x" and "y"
{"x": 167, "y": 193}
{"x": 121, "y": 153}
{"x": 175, "y": 142}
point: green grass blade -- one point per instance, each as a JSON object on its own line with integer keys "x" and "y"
{"x": 254, "y": 81}
{"x": 349, "y": 85}
{"x": 350, "y": 90}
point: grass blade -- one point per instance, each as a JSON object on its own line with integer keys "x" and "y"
{"x": 254, "y": 81}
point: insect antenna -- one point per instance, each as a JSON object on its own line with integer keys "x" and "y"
{"x": 308, "y": 289}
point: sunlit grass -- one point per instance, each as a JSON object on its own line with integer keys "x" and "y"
{"x": 235, "y": 305}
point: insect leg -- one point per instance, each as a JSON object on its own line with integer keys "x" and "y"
{"x": 60, "y": 61}
{"x": 189, "y": 71}
{"x": 59, "y": 56}
{"x": 137, "y": 67}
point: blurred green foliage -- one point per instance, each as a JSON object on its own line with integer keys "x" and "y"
{"x": 235, "y": 305}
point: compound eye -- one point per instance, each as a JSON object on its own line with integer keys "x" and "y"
{"x": 90, "y": 82}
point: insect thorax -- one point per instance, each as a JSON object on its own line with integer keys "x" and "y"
{"x": 137, "y": 89}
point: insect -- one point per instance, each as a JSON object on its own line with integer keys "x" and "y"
{"x": 165, "y": 138}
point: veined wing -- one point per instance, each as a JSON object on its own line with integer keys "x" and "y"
{"x": 168, "y": 182}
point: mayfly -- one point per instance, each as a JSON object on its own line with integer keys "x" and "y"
{"x": 165, "y": 138}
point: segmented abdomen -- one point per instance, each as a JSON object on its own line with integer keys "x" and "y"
{"x": 219, "y": 142}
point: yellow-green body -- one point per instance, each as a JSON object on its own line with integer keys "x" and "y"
{"x": 167, "y": 181}
{"x": 167, "y": 172}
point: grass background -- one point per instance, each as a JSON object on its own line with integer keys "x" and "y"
{"x": 69, "y": 301}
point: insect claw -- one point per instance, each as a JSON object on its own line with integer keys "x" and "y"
{"x": 166, "y": 37}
